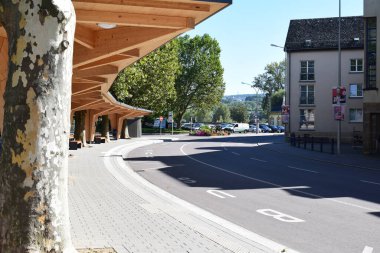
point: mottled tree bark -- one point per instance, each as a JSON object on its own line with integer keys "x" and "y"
{"x": 79, "y": 131}
{"x": 33, "y": 167}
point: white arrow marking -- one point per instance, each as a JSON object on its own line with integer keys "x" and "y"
{"x": 369, "y": 182}
{"x": 312, "y": 171}
{"x": 367, "y": 249}
{"x": 263, "y": 161}
{"x": 221, "y": 193}
{"x": 279, "y": 216}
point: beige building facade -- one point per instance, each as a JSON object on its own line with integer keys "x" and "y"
{"x": 372, "y": 76}
{"x": 312, "y": 73}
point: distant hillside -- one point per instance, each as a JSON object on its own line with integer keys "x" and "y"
{"x": 239, "y": 97}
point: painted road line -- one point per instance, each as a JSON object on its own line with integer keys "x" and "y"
{"x": 263, "y": 161}
{"x": 369, "y": 182}
{"x": 277, "y": 185}
{"x": 279, "y": 216}
{"x": 312, "y": 171}
{"x": 235, "y": 153}
{"x": 367, "y": 249}
{"x": 219, "y": 194}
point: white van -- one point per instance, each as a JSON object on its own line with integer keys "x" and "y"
{"x": 240, "y": 128}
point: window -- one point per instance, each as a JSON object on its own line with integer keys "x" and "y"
{"x": 356, "y": 115}
{"x": 356, "y": 90}
{"x": 307, "y": 71}
{"x": 356, "y": 65}
{"x": 307, "y": 118}
{"x": 371, "y": 53}
{"x": 307, "y": 95}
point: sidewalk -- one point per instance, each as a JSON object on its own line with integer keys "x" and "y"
{"x": 113, "y": 207}
{"x": 349, "y": 156}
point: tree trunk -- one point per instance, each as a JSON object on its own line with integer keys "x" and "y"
{"x": 124, "y": 130}
{"x": 105, "y": 127}
{"x": 33, "y": 167}
{"x": 79, "y": 131}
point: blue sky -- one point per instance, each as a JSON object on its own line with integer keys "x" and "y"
{"x": 246, "y": 29}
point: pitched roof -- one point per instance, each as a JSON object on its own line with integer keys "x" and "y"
{"x": 322, "y": 34}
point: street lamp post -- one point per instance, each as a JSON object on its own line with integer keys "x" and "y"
{"x": 339, "y": 81}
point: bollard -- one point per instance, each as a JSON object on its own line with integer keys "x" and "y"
{"x": 298, "y": 141}
{"x": 332, "y": 146}
{"x": 312, "y": 143}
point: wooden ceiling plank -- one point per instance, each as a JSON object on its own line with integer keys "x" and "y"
{"x": 84, "y": 105}
{"x": 92, "y": 79}
{"x": 77, "y": 89}
{"x": 134, "y": 19}
{"x": 84, "y": 36}
{"x": 132, "y": 53}
{"x": 199, "y": 7}
{"x": 115, "y": 41}
{"x": 97, "y": 71}
{"x": 105, "y": 61}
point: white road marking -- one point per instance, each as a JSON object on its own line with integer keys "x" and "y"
{"x": 221, "y": 193}
{"x": 279, "y": 216}
{"x": 367, "y": 249}
{"x": 277, "y": 185}
{"x": 369, "y": 182}
{"x": 263, "y": 161}
{"x": 312, "y": 171}
{"x": 235, "y": 153}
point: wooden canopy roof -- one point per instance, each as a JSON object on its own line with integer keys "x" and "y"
{"x": 140, "y": 26}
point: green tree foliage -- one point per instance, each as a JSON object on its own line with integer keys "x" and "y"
{"x": 239, "y": 112}
{"x": 149, "y": 83}
{"x": 221, "y": 114}
{"x": 272, "y": 80}
{"x": 200, "y": 82}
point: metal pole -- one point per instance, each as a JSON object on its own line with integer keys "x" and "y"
{"x": 339, "y": 81}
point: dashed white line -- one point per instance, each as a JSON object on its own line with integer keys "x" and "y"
{"x": 369, "y": 182}
{"x": 235, "y": 153}
{"x": 263, "y": 161}
{"x": 367, "y": 249}
{"x": 277, "y": 185}
{"x": 312, "y": 171}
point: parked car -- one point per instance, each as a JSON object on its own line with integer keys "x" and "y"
{"x": 237, "y": 128}
{"x": 196, "y": 126}
{"x": 227, "y": 127}
{"x": 274, "y": 129}
{"x": 281, "y": 128}
{"x": 186, "y": 126}
{"x": 265, "y": 129}
{"x": 252, "y": 129}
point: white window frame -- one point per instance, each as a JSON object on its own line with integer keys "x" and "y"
{"x": 357, "y": 89}
{"x": 307, "y": 70}
{"x": 354, "y": 68}
{"x": 358, "y": 115}
{"x": 308, "y": 93}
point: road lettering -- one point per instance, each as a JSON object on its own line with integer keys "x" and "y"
{"x": 187, "y": 180}
{"x": 220, "y": 194}
{"x": 279, "y": 216}
{"x": 367, "y": 249}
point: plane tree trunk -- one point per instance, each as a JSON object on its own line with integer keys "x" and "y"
{"x": 33, "y": 166}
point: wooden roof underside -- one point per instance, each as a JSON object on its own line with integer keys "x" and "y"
{"x": 142, "y": 26}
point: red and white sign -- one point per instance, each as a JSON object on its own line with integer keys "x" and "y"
{"x": 338, "y": 112}
{"x": 342, "y": 95}
{"x": 285, "y": 114}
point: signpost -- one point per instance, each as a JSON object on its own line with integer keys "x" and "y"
{"x": 170, "y": 118}
{"x": 161, "y": 118}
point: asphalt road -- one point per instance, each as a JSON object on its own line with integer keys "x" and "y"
{"x": 309, "y": 206}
